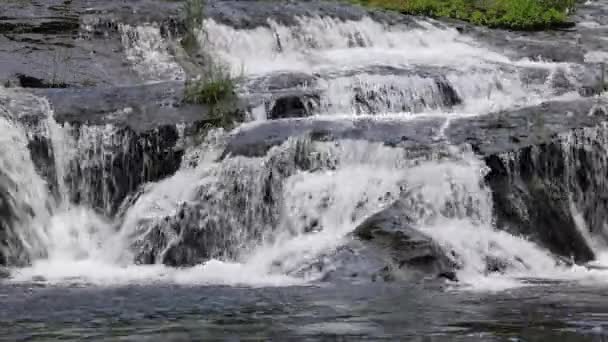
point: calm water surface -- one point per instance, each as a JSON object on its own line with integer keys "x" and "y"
{"x": 548, "y": 312}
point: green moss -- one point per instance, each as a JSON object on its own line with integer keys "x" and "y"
{"x": 511, "y": 14}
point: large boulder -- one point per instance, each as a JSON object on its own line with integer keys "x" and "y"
{"x": 534, "y": 196}
{"x": 408, "y": 248}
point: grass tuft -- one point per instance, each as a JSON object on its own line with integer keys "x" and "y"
{"x": 213, "y": 85}
{"x": 216, "y": 86}
{"x": 193, "y": 20}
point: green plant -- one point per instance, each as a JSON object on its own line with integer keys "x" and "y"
{"x": 511, "y": 14}
{"x": 213, "y": 87}
{"x": 193, "y": 20}
{"x": 211, "y": 83}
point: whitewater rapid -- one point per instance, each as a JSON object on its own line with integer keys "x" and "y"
{"x": 70, "y": 243}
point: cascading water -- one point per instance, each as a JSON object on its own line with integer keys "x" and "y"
{"x": 262, "y": 220}
{"x": 25, "y": 199}
{"x": 389, "y": 69}
{"x": 149, "y": 53}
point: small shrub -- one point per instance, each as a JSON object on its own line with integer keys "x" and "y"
{"x": 511, "y": 14}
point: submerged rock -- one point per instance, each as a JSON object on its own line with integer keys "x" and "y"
{"x": 409, "y": 249}
{"x": 355, "y": 261}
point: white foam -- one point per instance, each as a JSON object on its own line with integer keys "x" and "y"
{"x": 83, "y": 247}
{"x": 149, "y": 53}
{"x": 596, "y": 57}
{"x": 86, "y": 249}
{"x": 325, "y": 44}
{"x": 27, "y": 192}
{"x": 95, "y": 272}
{"x": 484, "y": 79}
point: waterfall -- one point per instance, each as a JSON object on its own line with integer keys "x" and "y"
{"x": 109, "y": 204}
{"x": 365, "y": 67}
{"x": 25, "y": 198}
{"x": 149, "y": 53}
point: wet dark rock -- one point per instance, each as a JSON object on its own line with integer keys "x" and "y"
{"x": 374, "y": 98}
{"x": 141, "y": 107}
{"x": 448, "y": 94}
{"x": 540, "y": 162}
{"x": 499, "y": 265}
{"x": 33, "y": 82}
{"x": 391, "y": 230}
{"x": 283, "y": 95}
{"x": 515, "y": 129}
{"x": 293, "y": 107}
{"x": 226, "y": 216}
{"x": 188, "y": 238}
{"x": 488, "y": 134}
{"x": 102, "y": 175}
{"x": 543, "y": 188}
{"x": 39, "y": 25}
{"x": 533, "y": 202}
{"x": 258, "y": 139}
{"x": 41, "y": 152}
{"x": 353, "y": 261}
{"x": 4, "y": 273}
{"x": 53, "y": 43}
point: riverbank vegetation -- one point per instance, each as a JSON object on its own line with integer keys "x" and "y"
{"x": 509, "y": 14}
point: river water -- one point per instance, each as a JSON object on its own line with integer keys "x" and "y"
{"x": 549, "y": 312}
